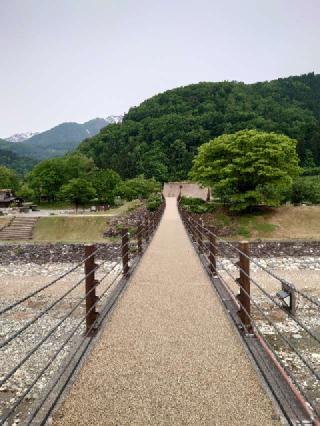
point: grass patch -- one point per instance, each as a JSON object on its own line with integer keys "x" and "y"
{"x": 244, "y": 231}
{"x": 70, "y": 229}
{"x": 222, "y": 219}
{"x": 264, "y": 227}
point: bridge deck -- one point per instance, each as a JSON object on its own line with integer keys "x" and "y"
{"x": 168, "y": 354}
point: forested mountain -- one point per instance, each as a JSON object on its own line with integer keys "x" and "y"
{"x": 160, "y": 137}
{"x": 20, "y": 164}
{"x": 58, "y": 140}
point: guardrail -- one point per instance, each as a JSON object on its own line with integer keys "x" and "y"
{"x": 90, "y": 307}
{"x": 303, "y": 370}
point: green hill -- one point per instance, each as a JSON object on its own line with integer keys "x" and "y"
{"x": 57, "y": 141}
{"x": 18, "y": 163}
{"x": 160, "y": 137}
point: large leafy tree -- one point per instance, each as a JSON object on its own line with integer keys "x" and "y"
{"x": 8, "y": 178}
{"x": 47, "y": 177}
{"x": 78, "y": 191}
{"x": 105, "y": 182}
{"x": 138, "y": 187}
{"x": 248, "y": 168}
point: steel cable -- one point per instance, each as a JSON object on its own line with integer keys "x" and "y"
{"x": 52, "y": 305}
{"x": 18, "y": 302}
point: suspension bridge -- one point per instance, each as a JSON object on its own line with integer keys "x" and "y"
{"x": 171, "y": 337}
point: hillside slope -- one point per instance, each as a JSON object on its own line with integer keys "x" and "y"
{"x": 18, "y": 163}
{"x": 160, "y": 137}
{"x": 58, "y": 140}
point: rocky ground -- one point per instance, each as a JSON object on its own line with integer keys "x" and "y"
{"x": 281, "y": 332}
{"x": 19, "y": 278}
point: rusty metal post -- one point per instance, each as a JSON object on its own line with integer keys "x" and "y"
{"x": 146, "y": 228}
{"x": 244, "y": 281}
{"x": 200, "y": 235}
{"x": 140, "y": 230}
{"x": 212, "y": 251}
{"x": 125, "y": 251}
{"x": 90, "y": 288}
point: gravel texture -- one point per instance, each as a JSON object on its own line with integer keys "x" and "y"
{"x": 18, "y": 280}
{"x": 169, "y": 354}
{"x": 52, "y": 253}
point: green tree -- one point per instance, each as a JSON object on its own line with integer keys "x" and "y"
{"x": 77, "y": 165}
{"x": 306, "y": 189}
{"x": 105, "y": 183}
{"x": 25, "y": 192}
{"x": 248, "y": 168}
{"x": 8, "y": 178}
{"x": 138, "y": 187}
{"x": 308, "y": 161}
{"x": 47, "y": 177}
{"x": 78, "y": 191}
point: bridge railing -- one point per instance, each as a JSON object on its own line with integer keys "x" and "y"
{"x": 91, "y": 305}
{"x": 282, "y": 311}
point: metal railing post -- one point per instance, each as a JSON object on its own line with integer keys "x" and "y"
{"x": 90, "y": 288}
{"x": 146, "y": 228}
{"x": 200, "y": 236}
{"x": 140, "y": 230}
{"x": 244, "y": 281}
{"x": 125, "y": 251}
{"x": 212, "y": 250}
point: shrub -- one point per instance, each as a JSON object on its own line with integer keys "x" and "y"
{"x": 138, "y": 187}
{"x": 196, "y": 205}
{"x": 154, "y": 202}
{"x": 306, "y": 190}
{"x": 311, "y": 171}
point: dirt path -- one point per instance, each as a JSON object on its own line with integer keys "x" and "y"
{"x": 168, "y": 355}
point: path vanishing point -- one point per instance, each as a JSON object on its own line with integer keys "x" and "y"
{"x": 168, "y": 354}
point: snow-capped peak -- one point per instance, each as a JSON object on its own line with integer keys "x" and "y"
{"x": 20, "y": 137}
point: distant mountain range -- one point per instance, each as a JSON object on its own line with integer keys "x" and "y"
{"x": 55, "y": 142}
{"x": 20, "y": 137}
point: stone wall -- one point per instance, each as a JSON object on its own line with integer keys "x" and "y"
{"x": 277, "y": 248}
{"x": 51, "y": 253}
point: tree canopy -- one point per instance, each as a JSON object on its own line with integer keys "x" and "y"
{"x": 160, "y": 137}
{"x": 47, "y": 177}
{"x": 79, "y": 191}
{"x": 248, "y": 168}
{"x": 8, "y": 178}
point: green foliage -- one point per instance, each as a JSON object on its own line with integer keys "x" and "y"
{"x": 244, "y": 231}
{"x": 247, "y": 168}
{"x": 105, "y": 182}
{"x": 160, "y": 137}
{"x": 138, "y": 187}
{"x": 47, "y": 177}
{"x": 154, "y": 202}
{"x": 18, "y": 163}
{"x": 311, "y": 171}
{"x": 25, "y": 192}
{"x": 196, "y": 205}
{"x": 308, "y": 161}
{"x": 306, "y": 190}
{"x": 8, "y": 179}
{"x": 79, "y": 191}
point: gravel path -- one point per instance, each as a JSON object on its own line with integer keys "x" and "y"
{"x": 168, "y": 355}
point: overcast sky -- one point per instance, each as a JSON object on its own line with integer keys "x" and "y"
{"x": 73, "y": 60}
